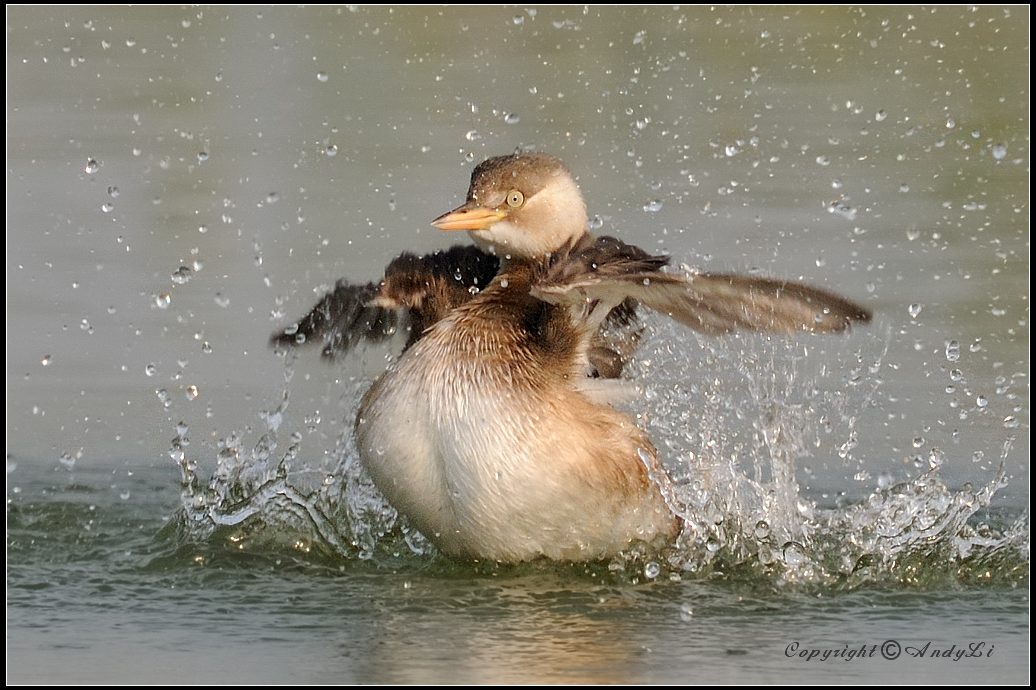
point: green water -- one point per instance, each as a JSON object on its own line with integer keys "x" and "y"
{"x": 93, "y": 596}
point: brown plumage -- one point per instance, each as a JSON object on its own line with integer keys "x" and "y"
{"x": 415, "y": 292}
{"x": 492, "y": 432}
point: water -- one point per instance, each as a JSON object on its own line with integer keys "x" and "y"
{"x": 184, "y": 506}
{"x": 99, "y": 596}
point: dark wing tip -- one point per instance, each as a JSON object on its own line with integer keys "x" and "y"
{"x": 837, "y": 313}
{"x": 862, "y": 314}
{"x": 340, "y": 320}
{"x": 416, "y": 291}
{"x": 287, "y": 336}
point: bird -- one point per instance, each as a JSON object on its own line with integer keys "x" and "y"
{"x": 495, "y": 432}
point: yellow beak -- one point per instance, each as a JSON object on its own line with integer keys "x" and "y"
{"x": 468, "y": 217}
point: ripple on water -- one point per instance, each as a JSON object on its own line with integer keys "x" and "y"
{"x": 733, "y": 462}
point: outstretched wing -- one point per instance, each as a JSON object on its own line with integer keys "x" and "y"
{"x": 416, "y": 291}
{"x": 713, "y": 303}
{"x": 341, "y": 319}
{"x": 717, "y": 303}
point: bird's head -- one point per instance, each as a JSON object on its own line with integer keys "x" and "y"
{"x": 524, "y": 205}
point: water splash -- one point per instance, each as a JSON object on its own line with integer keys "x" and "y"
{"x": 256, "y": 498}
{"x": 750, "y": 418}
{"x": 742, "y": 423}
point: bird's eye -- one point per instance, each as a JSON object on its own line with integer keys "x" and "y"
{"x": 515, "y": 198}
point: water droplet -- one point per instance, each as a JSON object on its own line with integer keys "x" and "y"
{"x": 904, "y": 188}
{"x": 762, "y": 529}
{"x": 732, "y": 150}
{"x": 182, "y": 275}
{"x": 686, "y": 613}
{"x": 151, "y": 369}
{"x": 823, "y": 160}
{"x": 936, "y": 458}
{"x": 652, "y": 570}
{"x": 113, "y": 191}
{"x": 512, "y": 118}
{"x": 596, "y": 223}
{"x": 837, "y": 184}
{"x": 322, "y": 76}
{"x": 840, "y": 208}
{"x": 915, "y": 309}
{"x": 999, "y": 151}
{"x": 203, "y": 156}
{"x": 203, "y": 229}
{"x": 472, "y": 135}
{"x": 794, "y": 554}
{"x": 221, "y": 301}
{"x": 69, "y": 460}
{"x": 880, "y": 116}
{"x": 46, "y": 360}
{"x": 162, "y": 300}
{"x": 653, "y": 206}
{"x": 331, "y": 150}
{"x": 503, "y": 282}
{"x": 952, "y": 351}
{"x": 518, "y": 20}
{"x": 91, "y": 167}
{"x": 950, "y": 123}
{"x": 918, "y": 441}
{"x": 981, "y": 401}
{"x": 191, "y": 392}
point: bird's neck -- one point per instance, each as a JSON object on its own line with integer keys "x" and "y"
{"x": 519, "y": 262}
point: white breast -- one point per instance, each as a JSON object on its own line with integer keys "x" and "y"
{"x": 485, "y": 468}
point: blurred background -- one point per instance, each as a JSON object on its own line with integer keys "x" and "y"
{"x": 180, "y": 182}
